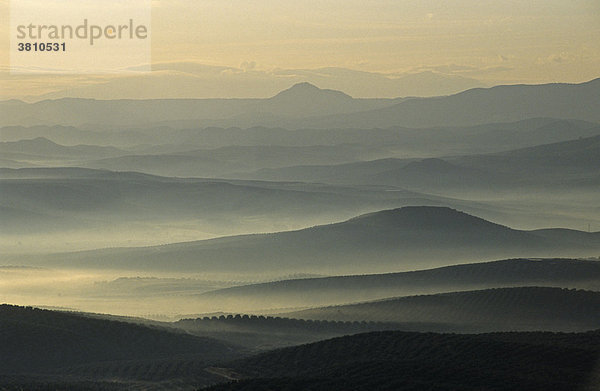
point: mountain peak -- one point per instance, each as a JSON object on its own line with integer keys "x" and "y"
{"x": 305, "y": 86}
{"x": 307, "y": 90}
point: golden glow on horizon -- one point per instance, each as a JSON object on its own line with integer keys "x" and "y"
{"x": 492, "y": 42}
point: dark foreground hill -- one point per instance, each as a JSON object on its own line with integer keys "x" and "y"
{"x": 48, "y": 350}
{"x": 565, "y": 273}
{"x": 398, "y": 239}
{"x": 50, "y": 345}
{"x": 501, "y": 309}
{"x": 412, "y": 361}
{"x": 260, "y": 332}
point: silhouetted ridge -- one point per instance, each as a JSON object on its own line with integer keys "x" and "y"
{"x": 472, "y": 107}
{"x": 505, "y": 103}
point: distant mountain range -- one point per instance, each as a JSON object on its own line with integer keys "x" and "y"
{"x": 567, "y": 164}
{"x": 332, "y": 155}
{"x": 564, "y": 165}
{"x": 394, "y": 141}
{"x": 227, "y": 160}
{"x": 479, "y": 106}
{"x": 306, "y": 106}
{"x": 41, "y": 148}
{"x": 399, "y": 239}
{"x": 193, "y": 80}
{"x": 300, "y": 100}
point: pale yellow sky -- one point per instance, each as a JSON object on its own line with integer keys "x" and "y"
{"x": 493, "y": 42}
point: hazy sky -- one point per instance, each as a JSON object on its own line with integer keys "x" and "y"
{"x": 265, "y": 42}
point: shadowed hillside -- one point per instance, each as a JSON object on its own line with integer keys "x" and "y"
{"x": 40, "y": 347}
{"x": 35, "y": 340}
{"x": 500, "y": 309}
{"x": 260, "y": 332}
{"x": 346, "y": 289}
{"x": 412, "y": 361}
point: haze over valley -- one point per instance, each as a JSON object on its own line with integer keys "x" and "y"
{"x": 205, "y": 241}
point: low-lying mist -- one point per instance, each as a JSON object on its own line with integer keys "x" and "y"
{"x": 127, "y": 233}
{"x": 105, "y": 291}
{"x": 161, "y": 296}
{"x": 172, "y": 296}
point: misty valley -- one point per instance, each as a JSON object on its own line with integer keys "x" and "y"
{"x": 306, "y": 241}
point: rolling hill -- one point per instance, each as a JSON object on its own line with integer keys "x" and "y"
{"x": 48, "y": 346}
{"x": 54, "y": 350}
{"x": 227, "y": 160}
{"x": 564, "y": 165}
{"x": 389, "y": 240}
{"x": 259, "y": 332}
{"x": 411, "y": 361}
{"x": 560, "y": 165}
{"x": 566, "y": 273}
{"x": 499, "y": 309}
